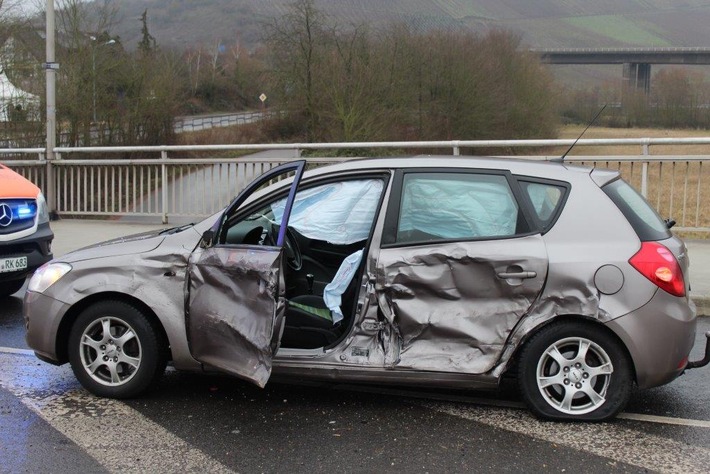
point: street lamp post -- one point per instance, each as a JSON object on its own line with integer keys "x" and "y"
{"x": 51, "y": 71}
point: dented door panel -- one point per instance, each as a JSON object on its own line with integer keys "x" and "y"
{"x": 453, "y": 305}
{"x": 234, "y": 294}
{"x": 235, "y": 309}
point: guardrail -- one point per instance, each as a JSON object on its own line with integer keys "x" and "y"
{"x": 170, "y": 185}
{"x": 205, "y": 122}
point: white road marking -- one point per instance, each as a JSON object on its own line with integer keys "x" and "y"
{"x": 610, "y": 440}
{"x": 666, "y": 420}
{"x": 116, "y": 435}
{"x": 12, "y": 350}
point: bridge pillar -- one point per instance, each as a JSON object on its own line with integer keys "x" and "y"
{"x": 637, "y": 77}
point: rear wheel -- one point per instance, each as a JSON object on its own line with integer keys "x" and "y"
{"x": 575, "y": 371}
{"x": 114, "y": 351}
{"x": 8, "y": 288}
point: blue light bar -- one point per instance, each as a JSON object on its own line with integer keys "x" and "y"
{"x": 24, "y": 210}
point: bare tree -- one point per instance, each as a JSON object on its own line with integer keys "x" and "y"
{"x": 298, "y": 43}
{"x": 108, "y": 95}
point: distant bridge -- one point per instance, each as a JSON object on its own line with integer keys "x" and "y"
{"x": 637, "y": 61}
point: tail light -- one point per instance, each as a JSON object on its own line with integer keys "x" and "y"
{"x": 659, "y": 265}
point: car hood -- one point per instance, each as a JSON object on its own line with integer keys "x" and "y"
{"x": 128, "y": 245}
{"x": 186, "y": 236}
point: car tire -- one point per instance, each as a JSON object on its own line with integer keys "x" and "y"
{"x": 575, "y": 371}
{"x": 114, "y": 350}
{"x": 8, "y": 288}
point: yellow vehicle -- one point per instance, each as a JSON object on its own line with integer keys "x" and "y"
{"x": 25, "y": 236}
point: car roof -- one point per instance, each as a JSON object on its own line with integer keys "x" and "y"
{"x": 523, "y": 167}
{"x": 527, "y": 167}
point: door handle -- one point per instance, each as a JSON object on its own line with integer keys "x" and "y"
{"x": 517, "y": 275}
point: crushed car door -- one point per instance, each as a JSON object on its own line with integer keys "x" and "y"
{"x": 458, "y": 268}
{"x": 235, "y": 292}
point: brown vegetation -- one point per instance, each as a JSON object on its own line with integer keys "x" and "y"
{"x": 356, "y": 85}
{"x": 679, "y": 98}
{"x": 330, "y": 83}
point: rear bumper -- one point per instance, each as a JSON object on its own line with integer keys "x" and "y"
{"x": 659, "y": 337}
{"x": 36, "y": 247}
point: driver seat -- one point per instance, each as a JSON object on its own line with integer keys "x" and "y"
{"x": 314, "y": 321}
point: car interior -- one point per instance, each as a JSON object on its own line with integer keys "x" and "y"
{"x": 328, "y": 224}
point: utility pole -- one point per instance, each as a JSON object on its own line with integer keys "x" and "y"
{"x": 51, "y": 68}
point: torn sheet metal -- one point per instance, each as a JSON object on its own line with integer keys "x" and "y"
{"x": 235, "y": 308}
{"x": 450, "y": 305}
{"x": 571, "y": 289}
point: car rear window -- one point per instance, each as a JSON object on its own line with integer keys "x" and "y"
{"x": 546, "y": 199}
{"x": 643, "y": 218}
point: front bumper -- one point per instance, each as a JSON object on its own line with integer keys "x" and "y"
{"x": 43, "y": 316}
{"x": 659, "y": 337}
{"x": 37, "y": 247}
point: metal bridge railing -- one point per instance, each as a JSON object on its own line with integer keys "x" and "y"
{"x": 167, "y": 184}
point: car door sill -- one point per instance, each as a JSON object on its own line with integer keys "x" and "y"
{"x": 286, "y": 369}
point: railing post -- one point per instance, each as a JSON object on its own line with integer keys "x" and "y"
{"x": 51, "y": 188}
{"x": 644, "y": 172}
{"x": 164, "y": 184}
{"x": 41, "y": 180}
{"x": 457, "y": 149}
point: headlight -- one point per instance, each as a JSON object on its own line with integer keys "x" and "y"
{"x": 47, "y": 275}
{"x": 42, "y": 211}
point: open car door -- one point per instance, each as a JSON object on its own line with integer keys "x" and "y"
{"x": 234, "y": 303}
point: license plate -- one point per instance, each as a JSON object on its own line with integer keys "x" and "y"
{"x": 12, "y": 264}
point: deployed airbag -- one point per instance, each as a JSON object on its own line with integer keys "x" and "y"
{"x": 456, "y": 208}
{"x": 340, "y": 213}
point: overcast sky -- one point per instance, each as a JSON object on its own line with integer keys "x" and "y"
{"x": 25, "y": 6}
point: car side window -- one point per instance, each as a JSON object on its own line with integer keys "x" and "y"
{"x": 545, "y": 199}
{"x": 449, "y": 206}
{"x": 337, "y": 212}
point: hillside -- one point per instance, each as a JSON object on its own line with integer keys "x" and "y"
{"x": 541, "y": 23}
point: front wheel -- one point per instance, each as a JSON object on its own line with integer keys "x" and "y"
{"x": 575, "y": 371}
{"x": 114, "y": 351}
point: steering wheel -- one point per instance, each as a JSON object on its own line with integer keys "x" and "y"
{"x": 265, "y": 236}
{"x": 293, "y": 255}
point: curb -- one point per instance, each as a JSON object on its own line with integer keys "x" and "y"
{"x": 703, "y": 305}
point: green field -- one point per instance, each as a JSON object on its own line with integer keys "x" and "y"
{"x": 618, "y": 28}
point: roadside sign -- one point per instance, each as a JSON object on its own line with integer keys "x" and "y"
{"x": 262, "y": 97}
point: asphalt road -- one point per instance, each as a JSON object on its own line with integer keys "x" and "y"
{"x": 193, "y": 423}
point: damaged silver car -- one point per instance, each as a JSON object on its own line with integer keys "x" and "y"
{"x": 438, "y": 271}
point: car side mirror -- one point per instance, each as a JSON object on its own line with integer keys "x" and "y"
{"x": 207, "y": 239}
{"x": 670, "y": 223}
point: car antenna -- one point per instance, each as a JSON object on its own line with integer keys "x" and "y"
{"x": 561, "y": 159}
